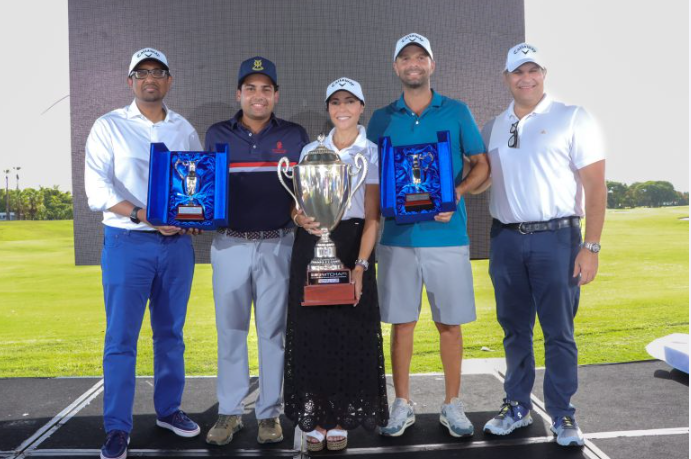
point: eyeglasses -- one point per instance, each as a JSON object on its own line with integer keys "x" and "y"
{"x": 143, "y": 73}
{"x": 513, "y": 140}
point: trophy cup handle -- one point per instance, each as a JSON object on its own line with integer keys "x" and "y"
{"x": 357, "y": 168}
{"x": 175, "y": 166}
{"x": 284, "y": 168}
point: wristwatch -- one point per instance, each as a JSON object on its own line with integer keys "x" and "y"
{"x": 133, "y": 215}
{"x": 592, "y": 246}
{"x": 363, "y": 263}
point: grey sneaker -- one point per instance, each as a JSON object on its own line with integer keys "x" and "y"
{"x": 222, "y": 432}
{"x": 402, "y": 416}
{"x": 567, "y": 432}
{"x": 453, "y": 418}
{"x": 270, "y": 431}
{"x": 512, "y": 415}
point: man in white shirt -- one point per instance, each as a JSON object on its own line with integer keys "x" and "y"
{"x": 547, "y": 161}
{"x": 140, "y": 262}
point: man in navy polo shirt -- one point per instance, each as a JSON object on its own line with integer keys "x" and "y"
{"x": 433, "y": 253}
{"x": 251, "y": 257}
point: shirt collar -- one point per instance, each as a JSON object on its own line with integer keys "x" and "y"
{"x": 542, "y": 107}
{"x": 359, "y": 144}
{"x": 235, "y": 120}
{"x": 132, "y": 111}
{"x": 436, "y": 101}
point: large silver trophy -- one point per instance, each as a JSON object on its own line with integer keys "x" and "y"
{"x": 322, "y": 190}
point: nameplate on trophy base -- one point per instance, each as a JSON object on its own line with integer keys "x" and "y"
{"x": 417, "y": 181}
{"x": 418, "y": 201}
{"x": 188, "y": 189}
{"x": 190, "y": 213}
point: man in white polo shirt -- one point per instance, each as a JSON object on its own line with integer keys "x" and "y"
{"x": 548, "y": 171}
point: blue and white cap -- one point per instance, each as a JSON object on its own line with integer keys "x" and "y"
{"x": 146, "y": 54}
{"x": 413, "y": 39}
{"x": 345, "y": 84}
{"x": 520, "y": 54}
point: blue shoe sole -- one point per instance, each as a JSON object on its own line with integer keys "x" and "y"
{"x": 408, "y": 422}
{"x": 445, "y": 423}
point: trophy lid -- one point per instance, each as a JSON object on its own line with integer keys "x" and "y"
{"x": 321, "y": 154}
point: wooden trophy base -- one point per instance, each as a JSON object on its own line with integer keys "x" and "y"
{"x": 328, "y": 288}
{"x": 190, "y": 214}
{"x": 418, "y": 201}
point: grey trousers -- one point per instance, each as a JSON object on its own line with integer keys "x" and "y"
{"x": 245, "y": 273}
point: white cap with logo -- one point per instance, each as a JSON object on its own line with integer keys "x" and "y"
{"x": 146, "y": 54}
{"x": 520, "y": 54}
{"x": 345, "y": 84}
{"x": 413, "y": 39}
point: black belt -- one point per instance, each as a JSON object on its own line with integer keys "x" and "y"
{"x": 256, "y": 235}
{"x": 536, "y": 227}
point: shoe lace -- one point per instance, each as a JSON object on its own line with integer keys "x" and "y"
{"x": 180, "y": 416}
{"x": 270, "y": 422}
{"x": 400, "y": 411}
{"x": 505, "y": 408}
{"x": 567, "y": 422}
{"x": 115, "y": 437}
{"x": 458, "y": 407}
{"x": 223, "y": 421}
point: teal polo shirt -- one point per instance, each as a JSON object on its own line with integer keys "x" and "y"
{"x": 404, "y": 127}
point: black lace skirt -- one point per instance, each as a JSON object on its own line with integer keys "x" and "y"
{"x": 334, "y": 361}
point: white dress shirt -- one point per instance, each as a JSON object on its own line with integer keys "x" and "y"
{"x": 117, "y": 158}
{"x": 347, "y": 155}
{"x": 539, "y": 181}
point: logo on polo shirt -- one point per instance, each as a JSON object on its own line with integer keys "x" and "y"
{"x": 525, "y": 49}
{"x": 258, "y": 65}
{"x": 279, "y": 148}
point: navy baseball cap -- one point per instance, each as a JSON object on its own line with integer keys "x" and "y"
{"x": 260, "y": 65}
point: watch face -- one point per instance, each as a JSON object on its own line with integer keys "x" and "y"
{"x": 594, "y": 247}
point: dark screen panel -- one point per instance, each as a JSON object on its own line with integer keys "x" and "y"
{"x": 312, "y": 43}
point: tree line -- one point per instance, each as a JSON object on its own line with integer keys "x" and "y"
{"x": 53, "y": 204}
{"x": 32, "y": 204}
{"x": 644, "y": 194}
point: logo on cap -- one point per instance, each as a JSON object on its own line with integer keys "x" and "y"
{"x": 525, "y": 49}
{"x": 258, "y": 65}
{"x": 412, "y": 37}
{"x": 342, "y": 82}
{"x": 148, "y": 53}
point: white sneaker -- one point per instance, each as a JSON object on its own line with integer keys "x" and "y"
{"x": 453, "y": 418}
{"x": 402, "y": 416}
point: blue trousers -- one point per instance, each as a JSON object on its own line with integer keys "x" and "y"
{"x": 532, "y": 273}
{"x": 139, "y": 267}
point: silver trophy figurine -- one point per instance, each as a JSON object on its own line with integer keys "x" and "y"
{"x": 322, "y": 190}
{"x": 190, "y": 181}
{"x": 419, "y": 164}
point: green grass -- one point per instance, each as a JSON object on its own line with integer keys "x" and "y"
{"x": 52, "y": 316}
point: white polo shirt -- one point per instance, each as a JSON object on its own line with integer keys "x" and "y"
{"x": 347, "y": 155}
{"x": 117, "y": 158}
{"x": 538, "y": 181}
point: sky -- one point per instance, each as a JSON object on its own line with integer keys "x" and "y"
{"x": 626, "y": 62}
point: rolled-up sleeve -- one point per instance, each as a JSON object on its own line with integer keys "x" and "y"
{"x": 99, "y": 169}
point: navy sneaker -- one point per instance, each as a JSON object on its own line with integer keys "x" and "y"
{"x": 512, "y": 415}
{"x": 180, "y": 424}
{"x": 567, "y": 432}
{"x": 115, "y": 446}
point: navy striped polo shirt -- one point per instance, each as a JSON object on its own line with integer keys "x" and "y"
{"x": 257, "y": 201}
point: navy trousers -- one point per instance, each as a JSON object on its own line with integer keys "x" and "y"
{"x": 532, "y": 273}
{"x": 139, "y": 267}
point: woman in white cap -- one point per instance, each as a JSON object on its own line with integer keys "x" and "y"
{"x": 334, "y": 362}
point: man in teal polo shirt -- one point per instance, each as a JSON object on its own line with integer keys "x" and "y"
{"x": 433, "y": 253}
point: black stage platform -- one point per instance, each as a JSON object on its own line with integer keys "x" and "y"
{"x": 633, "y": 410}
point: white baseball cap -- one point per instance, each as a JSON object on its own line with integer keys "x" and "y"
{"x": 413, "y": 39}
{"x": 345, "y": 84}
{"x": 522, "y": 53}
{"x": 146, "y": 54}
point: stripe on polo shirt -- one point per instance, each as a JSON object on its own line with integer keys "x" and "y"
{"x": 259, "y": 166}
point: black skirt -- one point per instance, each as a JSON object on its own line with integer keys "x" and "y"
{"x": 334, "y": 361}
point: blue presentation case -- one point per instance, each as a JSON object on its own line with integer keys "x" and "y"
{"x": 395, "y": 167}
{"x": 166, "y": 189}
